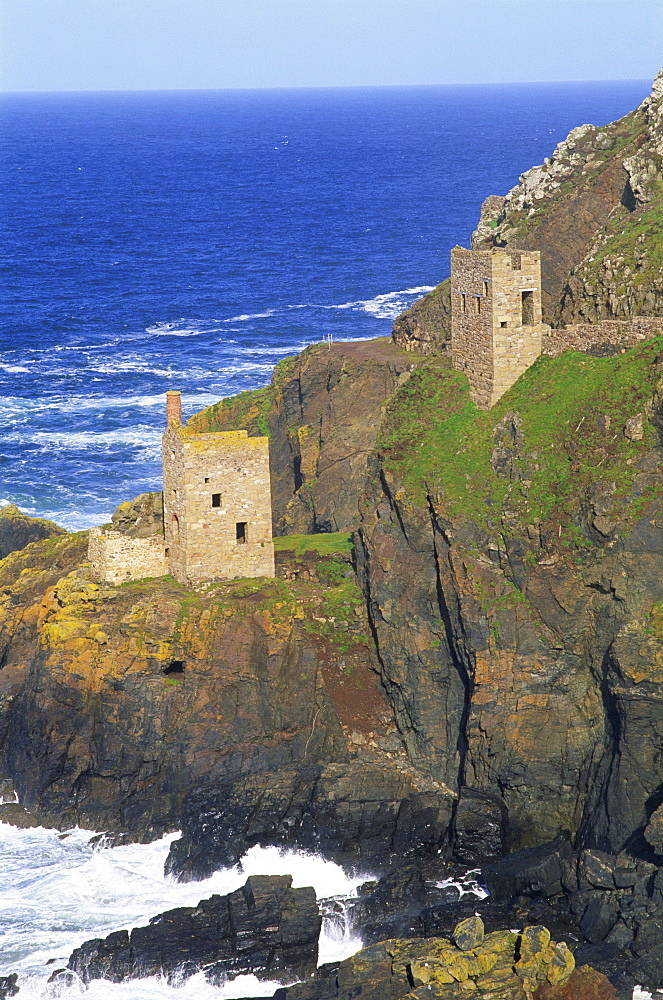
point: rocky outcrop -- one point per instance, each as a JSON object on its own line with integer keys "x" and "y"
{"x": 425, "y": 327}
{"x": 140, "y": 518}
{"x": 503, "y": 965}
{"x": 594, "y": 209}
{"x": 17, "y": 530}
{"x": 322, "y": 413}
{"x": 267, "y": 928}
{"x": 246, "y": 712}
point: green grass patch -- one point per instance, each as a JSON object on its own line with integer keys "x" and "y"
{"x": 436, "y": 440}
{"x": 322, "y": 544}
{"x": 338, "y": 608}
{"x": 246, "y": 411}
{"x": 654, "y": 623}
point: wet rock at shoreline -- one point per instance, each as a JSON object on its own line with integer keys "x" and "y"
{"x": 266, "y": 927}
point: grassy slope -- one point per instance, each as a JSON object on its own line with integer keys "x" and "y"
{"x": 435, "y": 437}
{"x": 247, "y": 410}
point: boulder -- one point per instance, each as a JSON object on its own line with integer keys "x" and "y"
{"x": 536, "y": 870}
{"x": 266, "y": 927}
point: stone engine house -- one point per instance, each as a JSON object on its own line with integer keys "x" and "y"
{"x": 217, "y": 511}
{"x": 216, "y": 502}
{"x": 496, "y": 325}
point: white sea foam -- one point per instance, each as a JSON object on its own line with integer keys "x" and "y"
{"x": 388, "y": 305}
{"x": 467, "y": 885}
{"x": 58, "y": 890}
{"x": 139, "y": 436}
{"x": 243, "y": 317}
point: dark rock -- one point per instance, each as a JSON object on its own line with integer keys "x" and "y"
{"x": 17, "y": 815}
{"x": 358, "y": 814}
{"x": 596, "y": 868}
{"x": 8, "y": 987}
{"x": 624, "y": 878}
{"x": 620, "y": 936}
{"x": 606, "y": 958}
{"x": 480, "y": 831}
{"x": 267, "y": 928}
{"x": 536, "y": 870}
{"x": 600, "y": 917}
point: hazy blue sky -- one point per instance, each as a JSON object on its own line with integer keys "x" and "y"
{"x": 182, "y": 44}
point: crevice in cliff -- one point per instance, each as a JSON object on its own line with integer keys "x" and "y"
{"x": 628, "y": 199}
{"x": 459, "y": 662}
{"x": 594, "y": 830}
{"x": 394, "y": 505}
{"x": 391, "y": 688}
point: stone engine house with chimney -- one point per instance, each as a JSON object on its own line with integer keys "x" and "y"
{"x": 496, "y": 325}
{"x": 217, "y": 511}
{"x": 216, "y": 502}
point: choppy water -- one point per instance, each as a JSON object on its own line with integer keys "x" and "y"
{"x": 189, "y": 240}
{"x": 58, "y": 890}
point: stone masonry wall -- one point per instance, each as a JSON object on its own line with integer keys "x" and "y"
{"x": 213, "y": 485}
{"x": 115, "y": 558}
{"x": 608, "y": 333}
{"x": 472, "y": 321}
{"x": 516, "y": 345}
{"x": 489, "y": 340}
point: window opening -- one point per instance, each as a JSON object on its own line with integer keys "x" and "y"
{"x": 528, "y": 308}
{"x": 216, "y": 499}
{"x": 503, "y": 323}
{"x": 207, "y": 479}
{"x": 477, "y": 304}
{"x": 485, "y": 288}
{"x": 176, "y": 527}
{"x": 240, "y": 532}
{"x": 463, "y": 303}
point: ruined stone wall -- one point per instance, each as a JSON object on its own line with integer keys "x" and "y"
{"x": 217, "y": 505}
{"x": 516, "y": 342}
{"x": 493, "y": 339}
{"x": 611, "y": 333}
{"x": 115, "y": 558}
{"x": 174, "y": 505}
{"x": 472, "y": 320}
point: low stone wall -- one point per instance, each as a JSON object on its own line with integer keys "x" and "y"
{"x": 116, "y": 558}
{"x": 621, "y": 334}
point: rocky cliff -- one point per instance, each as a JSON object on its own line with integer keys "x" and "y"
{"x": 476, "y": 668}
{"x": 462, "y": 653}
{"x": 594, "y": 209}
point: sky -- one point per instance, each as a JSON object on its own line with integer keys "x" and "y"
{"x": 201, "y": 44}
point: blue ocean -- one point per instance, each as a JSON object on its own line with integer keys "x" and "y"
{"x": 189, "y": 240}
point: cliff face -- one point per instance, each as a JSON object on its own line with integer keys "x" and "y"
{"x": 322, "y": 413}
{"x": 527, "y": 657}
{"x": 595, "y": 211}
{"x": 247, "y": 712}
{"x": 524, "y": 663}
{"x": 510, "y": 568}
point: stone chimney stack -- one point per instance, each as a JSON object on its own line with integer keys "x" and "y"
{"x": 173, "y": 407}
